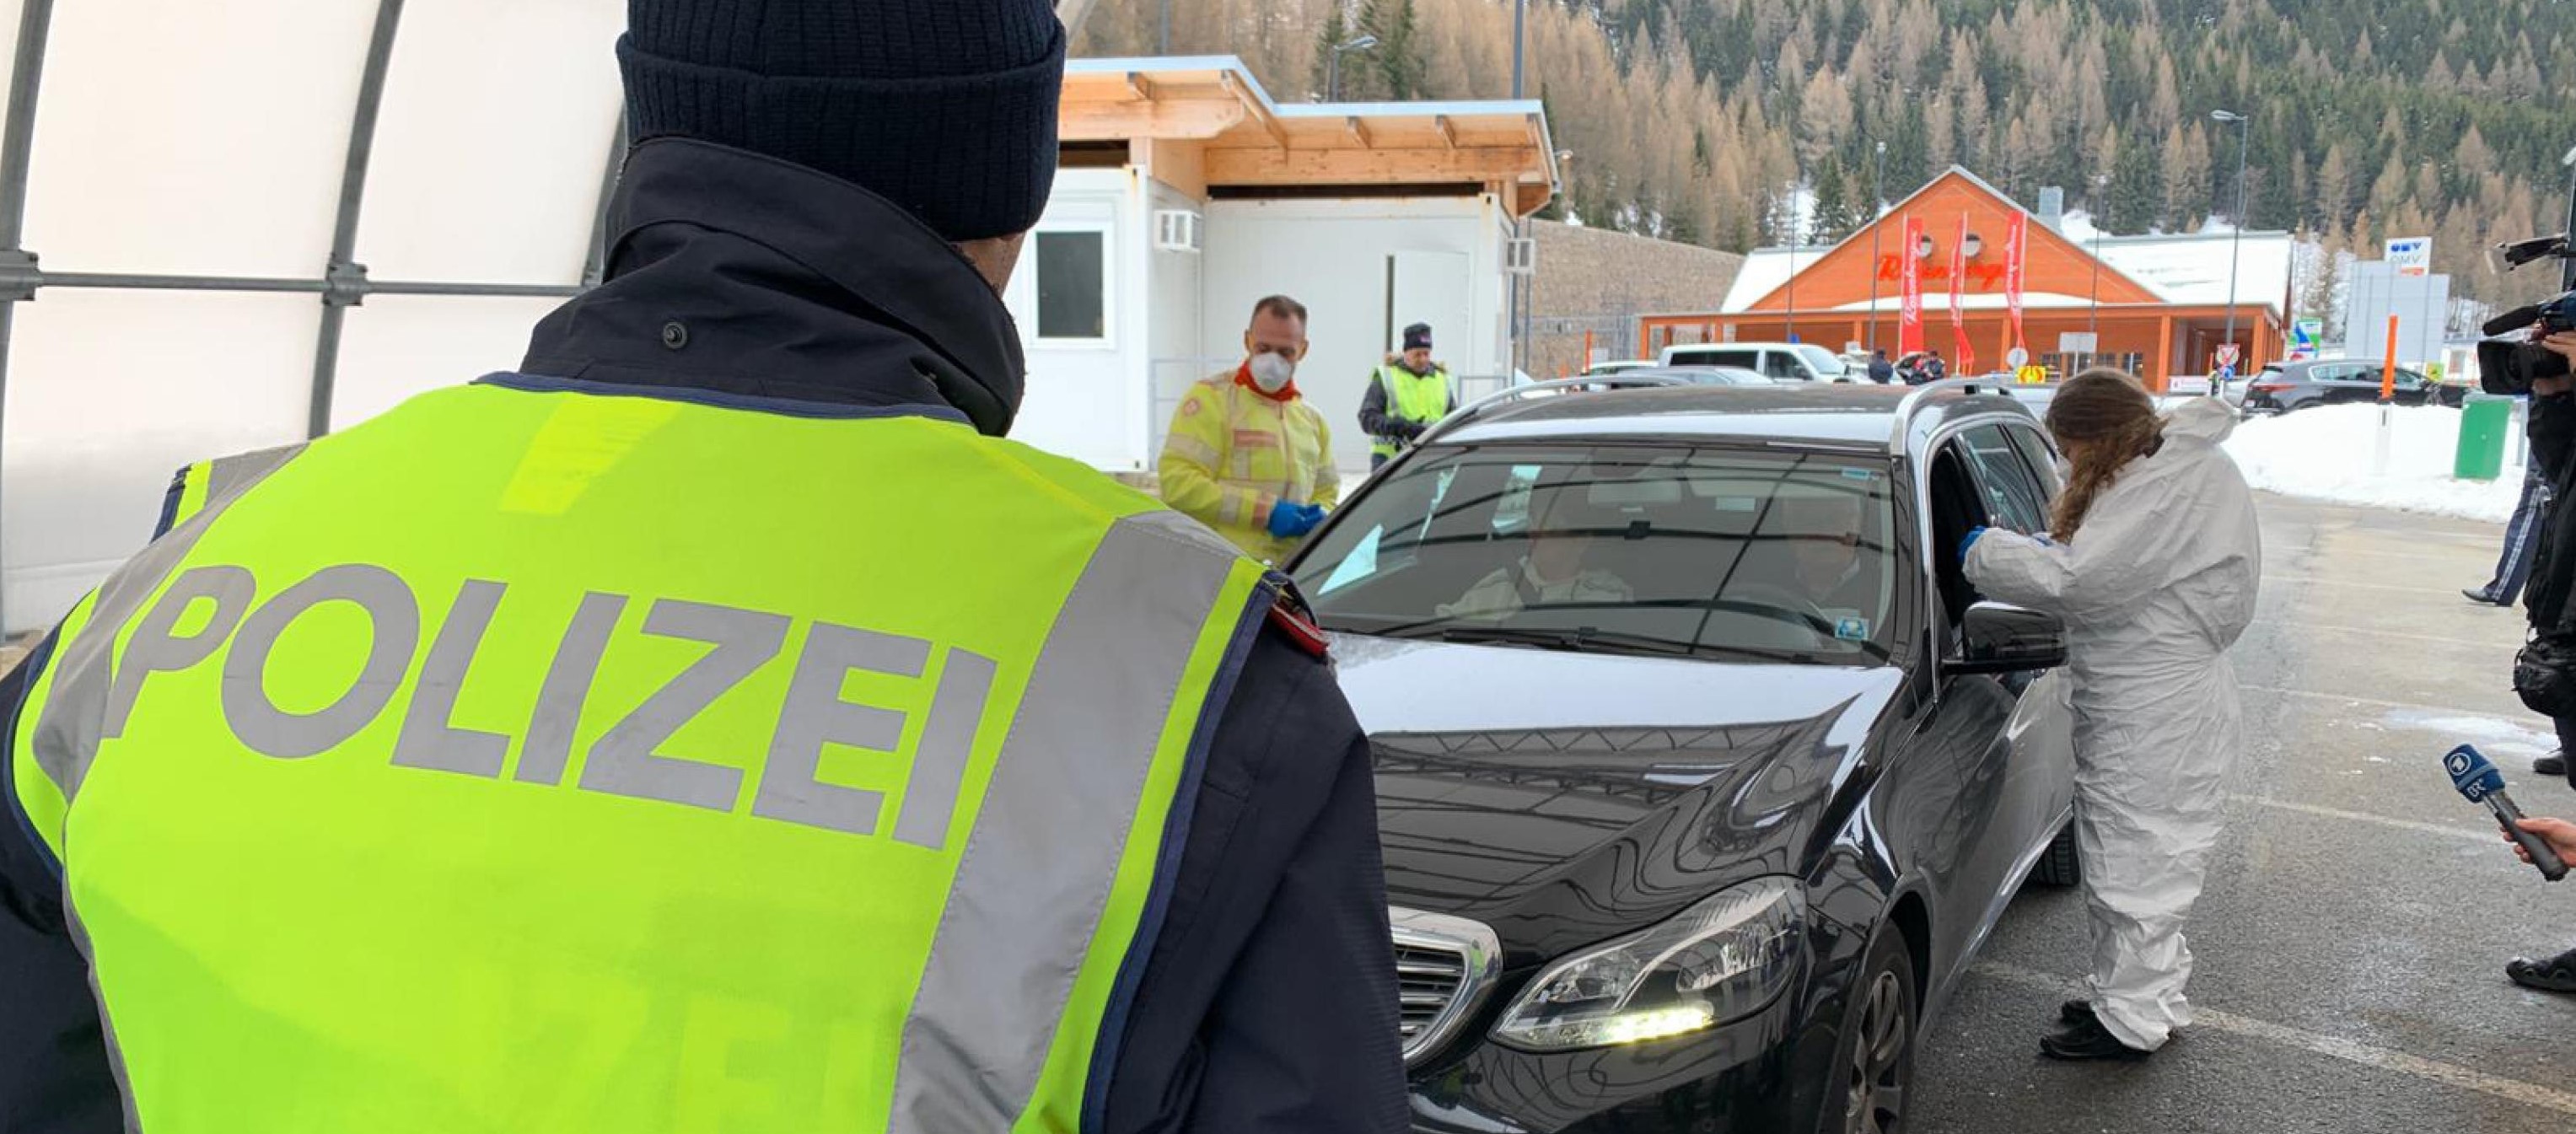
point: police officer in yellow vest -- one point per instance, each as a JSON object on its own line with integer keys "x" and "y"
{"x": 1405, "y": 397}
{"x": 1246, "y": 455}
{"x": 714, "y": 723}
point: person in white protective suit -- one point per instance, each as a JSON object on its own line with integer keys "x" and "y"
{"x": 2153, "y": 566}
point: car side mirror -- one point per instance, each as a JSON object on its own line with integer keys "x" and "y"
{"x": 1996, "y": 638}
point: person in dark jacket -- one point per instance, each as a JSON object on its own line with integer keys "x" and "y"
{"x": 2552, "y": 433}
{"x": 830, "y": 194}
{"x": 1881, "y": 370}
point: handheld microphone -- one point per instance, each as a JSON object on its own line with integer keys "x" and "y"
{"x": 2479, "y": 781}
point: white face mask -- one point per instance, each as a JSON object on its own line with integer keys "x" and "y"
{"x": 1271, "y": 372}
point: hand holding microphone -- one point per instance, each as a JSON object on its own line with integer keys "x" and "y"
{"x": 2478, "y": 780}
{"x": 2558, "y": 833}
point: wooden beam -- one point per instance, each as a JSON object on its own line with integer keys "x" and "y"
{"x": 1122, "y": 121}
{"x": 1140, "y": 86}
{"x": 1179, "y": 164}
{"x": 1448, "y": 133}
{"x": 1366, "y": 167}
{"x": 1253, "y": 105}
{"x": 1359, "y": 132}
{"x": 1532, "y": 198}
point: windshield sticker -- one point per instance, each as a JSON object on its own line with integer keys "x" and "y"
{"x": 1852, "y": 629}
{"x": 1860, "y": 474}
{"x": 1359, "y": 564}
{"x": 1739, "y": 504}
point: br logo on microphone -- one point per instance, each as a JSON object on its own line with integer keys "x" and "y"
{"x": 2472, "y": 774}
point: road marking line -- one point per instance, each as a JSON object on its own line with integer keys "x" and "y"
{"x": 2449, "y": 710}
{"x": 2488, "y": 836}
{"x": 2332, "y": 1047}
{"x": 2316, "y": 581}
{"x": 2297, "y": 624}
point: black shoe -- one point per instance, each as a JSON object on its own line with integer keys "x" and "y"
{"x": 2556, "y": 974}
{"x": 2480, "y": 596}
{"x": 2554, "y": 764}
{"x": 2076, "y": 1012}
{"x": 2088, "y": 1041}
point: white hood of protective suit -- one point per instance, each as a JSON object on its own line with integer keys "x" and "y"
{"x": 2200, "y": 419}
{"x": 2157, "y": 583}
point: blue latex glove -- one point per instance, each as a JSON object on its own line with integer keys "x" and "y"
{"x": 1289, "y": 521}
{"x": 1969, "y": 542}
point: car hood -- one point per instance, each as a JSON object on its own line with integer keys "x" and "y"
{"x": 1565, "y": 798}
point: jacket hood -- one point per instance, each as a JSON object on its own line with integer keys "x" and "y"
{"x": 742, "y": 274}
{"x": 2201, "y": 419}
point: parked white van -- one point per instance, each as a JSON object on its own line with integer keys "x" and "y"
{"x": 1785, "y": 362}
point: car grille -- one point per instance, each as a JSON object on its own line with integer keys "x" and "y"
{"x": 1431, "y": 980}
{"x": 1443, "y": 968}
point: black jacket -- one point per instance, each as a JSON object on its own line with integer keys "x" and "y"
{"x": 2552, "y": 433}
{"x": 1268, "y": 1000}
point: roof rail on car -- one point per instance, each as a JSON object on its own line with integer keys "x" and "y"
{"x": 1466, "y": 413}
{"x": 1920, "y": 398}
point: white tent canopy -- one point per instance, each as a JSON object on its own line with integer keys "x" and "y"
{"x": 225, "y": 225}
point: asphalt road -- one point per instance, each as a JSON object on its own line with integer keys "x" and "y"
{"x": 2351, "y": 941}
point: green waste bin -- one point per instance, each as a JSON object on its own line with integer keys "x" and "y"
{"x": 2484, "y": 422}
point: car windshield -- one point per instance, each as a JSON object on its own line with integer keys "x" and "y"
{"x": 1827, "y": 364}
{"x": 1653, "y": 549}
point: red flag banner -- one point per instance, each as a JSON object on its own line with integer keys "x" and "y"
{"x": 2016, "y": 252}
{"x": 1909, "y": 317}
{"x": 1967, "y": 363}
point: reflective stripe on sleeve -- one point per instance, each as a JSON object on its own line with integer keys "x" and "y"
{"x": 1192, "y": 449}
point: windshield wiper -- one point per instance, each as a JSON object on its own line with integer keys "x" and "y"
{"x": 1578, "y": 639}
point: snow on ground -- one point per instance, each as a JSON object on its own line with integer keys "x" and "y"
{"x": 2331, "y": 453}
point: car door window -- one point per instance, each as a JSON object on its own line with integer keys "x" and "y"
{"x": 1952, "y": 497}
{"x": 2012, "y": 496}
{"x": 1781, "y": 364}
{"x": 2042, "y": 459}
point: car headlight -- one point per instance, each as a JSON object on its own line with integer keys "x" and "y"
{"x": 1720, "y": 960}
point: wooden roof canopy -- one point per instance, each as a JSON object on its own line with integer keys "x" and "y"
{"x": 1206, "y": 123}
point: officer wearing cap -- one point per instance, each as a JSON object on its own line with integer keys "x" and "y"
{"x": 713, "y": 722}
{"x": 1405, "y": 397}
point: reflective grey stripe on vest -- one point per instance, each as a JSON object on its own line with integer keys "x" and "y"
{"x": 77, "y": 712}
{"x": 1037, "y": 869}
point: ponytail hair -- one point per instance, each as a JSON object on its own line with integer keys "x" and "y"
{"x": 2105, "y": 419}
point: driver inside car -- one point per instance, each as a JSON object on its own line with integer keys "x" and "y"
{"x": 1551, "y": 574}
{"x": 1824, "y": 535}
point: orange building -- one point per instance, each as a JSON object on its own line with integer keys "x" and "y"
{"x": 2157, "y": 305}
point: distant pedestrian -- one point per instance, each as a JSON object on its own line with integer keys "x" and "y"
{"x": 1881, "y": 370}
{"x": 2513, "y": 564}
{"x": 1934, "y": 369}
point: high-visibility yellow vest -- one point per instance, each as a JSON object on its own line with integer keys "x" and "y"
{"x": 539, "y": 760}
{"x": 1232, "y": 455}
{"x": 1422, "y": 398}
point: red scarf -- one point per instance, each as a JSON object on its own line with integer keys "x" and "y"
{"x": 1243, "y": 378}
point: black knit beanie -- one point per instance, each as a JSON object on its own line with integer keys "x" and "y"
{"x": 945, "y": 107}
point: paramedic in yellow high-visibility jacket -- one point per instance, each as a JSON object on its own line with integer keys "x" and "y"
{"x": 1246, "y": 455}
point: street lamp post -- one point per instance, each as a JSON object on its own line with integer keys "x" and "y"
{"x": 2236, "y": 244}
{"x": 1877, "y": 200}
{"x": 1333, "y": 67}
